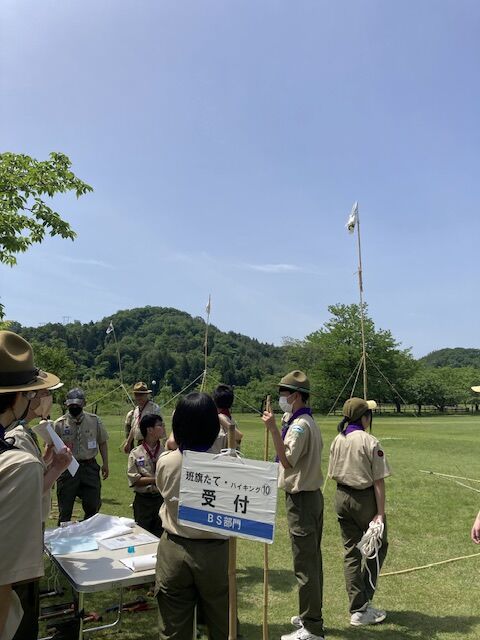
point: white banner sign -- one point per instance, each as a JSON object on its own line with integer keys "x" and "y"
{"x": 228, "y": 495}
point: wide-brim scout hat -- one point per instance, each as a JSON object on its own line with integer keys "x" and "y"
{"x": 477, "y": 389}
{"x": 75, "y": 396}
{"x": 141, "y": 387}
{"x": 354, "y": 408}
{"x": 17, "y": 369}
{"x": 296, "y": 381}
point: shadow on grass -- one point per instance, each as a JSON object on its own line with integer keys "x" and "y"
{"x": 279, "y": 579}
{"x": 402, "y": 625}
{"x": 110, "y": 501}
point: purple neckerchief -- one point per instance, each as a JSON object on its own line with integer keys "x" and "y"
{"x": 296, "y": 414}
{"x": 353, "y": 427}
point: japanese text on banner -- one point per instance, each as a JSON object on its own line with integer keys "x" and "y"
{"x": 229, "y": 495}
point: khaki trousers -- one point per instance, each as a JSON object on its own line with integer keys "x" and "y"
{"x": 305, "y": 524}
{"x": 355, "y": 509}
{"x": 189, "y": 572}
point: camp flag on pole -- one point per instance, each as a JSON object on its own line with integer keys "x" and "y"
{"x": 352, "y": 218}
{"x": 207, "y": 308}
{"x": 109, "y": 328}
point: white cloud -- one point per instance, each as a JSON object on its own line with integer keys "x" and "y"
{"x": 274, "y": 268}
{"x": 90, "y": 262}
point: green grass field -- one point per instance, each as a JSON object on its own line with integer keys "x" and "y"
{"x": 429, "y": 521}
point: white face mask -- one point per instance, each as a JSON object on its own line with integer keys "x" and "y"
{"x": 284, "y": 405}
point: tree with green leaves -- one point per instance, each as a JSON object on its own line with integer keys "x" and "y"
{"x": 26, "y": 215}
{"x": 332, "y": 354}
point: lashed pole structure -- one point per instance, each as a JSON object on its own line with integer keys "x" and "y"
{"x": 205, "y": 344}
{"x": 352, "y": 223}
{"x": 111, "y": 329}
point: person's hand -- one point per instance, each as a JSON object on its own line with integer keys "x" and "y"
{"x": 61, "y": 459}
{"x": 268, "y": 418}
{"x": 48, "y": 454}
{"x": 105, "y": 471}
{"x": 475, "y": 533}
{"x": 378, "y": 518}
{"x": 126, "y": 446}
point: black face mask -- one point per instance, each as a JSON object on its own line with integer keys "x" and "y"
{"x": 75, "y": 410}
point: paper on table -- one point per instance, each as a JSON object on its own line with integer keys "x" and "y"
{"x": 140, "y": 563}
{"x": 98, "y": 526}
{"x": 59, "y": 445}
{"x": 122, "y": 542}
{"x": 73, "y": 544}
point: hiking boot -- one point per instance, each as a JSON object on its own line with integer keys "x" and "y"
{"x": 301, "y": 634}
{"x": 369, "y": 616}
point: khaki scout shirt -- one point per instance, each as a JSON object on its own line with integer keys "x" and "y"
{"x": 21, "y": 537}
{"x": 357, "y": 460}
{"x": 221, "y": 441}
{"x": 135, "y": 415}
{"x": 303, "y": 448}
{"x": 82, "y": 435}
{"x": 26, "y": 440}
{"x": 140, "y": 464}
{"x": 169, "y": 471}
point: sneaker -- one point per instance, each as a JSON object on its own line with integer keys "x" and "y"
{"x": 301, "y": 634}
{"x": 378, "y": 612}
{"x": 369, "y": 616}
{"x": 296, "y": 621}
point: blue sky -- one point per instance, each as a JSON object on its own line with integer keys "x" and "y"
{"x": 226, "y": 142}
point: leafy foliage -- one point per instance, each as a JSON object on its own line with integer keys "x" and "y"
{"x": 25, "y": 216}
{"x": 457, "y": 357}
{"x": 161, "y": 344}
{"x": 333, "y": 353}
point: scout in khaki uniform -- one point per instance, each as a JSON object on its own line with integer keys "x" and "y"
{"x": 299, "y": 450}
{"x": 192, "y": 565}
{"x": 142, "y": 463}
{"x": 223, "y": 398}
{"x": 358, "y": 465}
{"x": 23, "y": 479}
{"x": 84, "y": 434}
{"x": 144, "y": 405}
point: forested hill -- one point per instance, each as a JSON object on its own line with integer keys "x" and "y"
{"x": 455, "y": 358}
{"x": 161, "y": 344}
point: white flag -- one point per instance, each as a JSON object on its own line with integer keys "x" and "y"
{"x": 109, "y": 328}
{"x": 352, "y": 218}
{"x": 207, "y": 308}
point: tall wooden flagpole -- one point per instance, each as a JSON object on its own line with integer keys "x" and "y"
{"x": 268, "y": 407}
{"x": 111, "y": 329}
{"x": 205, "y": 345}
{"x": 232, "y": 564}
{"x": 354, "y": 221}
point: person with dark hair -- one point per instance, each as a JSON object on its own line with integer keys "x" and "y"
{"x": 142, "y": 463}
{"x": 299, "y": 450}
{"x": 85, "y": 435}
{"x": 223, "y": 398}
{"x": 24, "y": 478}
{"x": 359, "y": 467}
{"x": 192, "y": 565}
